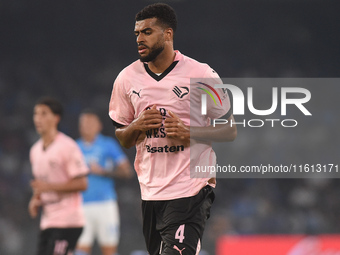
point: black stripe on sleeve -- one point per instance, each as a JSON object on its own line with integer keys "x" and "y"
{"x": 116, "y": 124}
{"x": 228, "y": 114}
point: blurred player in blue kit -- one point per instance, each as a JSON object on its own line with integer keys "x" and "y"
{"x": 105, "y": 160}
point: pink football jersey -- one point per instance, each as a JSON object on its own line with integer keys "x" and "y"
{"x": 58, "y": 163}
{"x": 163, "y": 164}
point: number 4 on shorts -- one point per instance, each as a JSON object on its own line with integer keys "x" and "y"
{"x": 180, "y": 233}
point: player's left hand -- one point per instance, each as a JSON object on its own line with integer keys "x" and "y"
{"x": 40, "y": 186}
{"x": 175, "y": 128}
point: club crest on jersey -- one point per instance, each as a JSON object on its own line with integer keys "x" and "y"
{"x": 180, "y": 91}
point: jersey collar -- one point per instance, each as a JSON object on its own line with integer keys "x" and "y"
{"x": 178, "y": 56}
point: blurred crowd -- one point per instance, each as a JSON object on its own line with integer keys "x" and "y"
{"x": 43, "y": 57}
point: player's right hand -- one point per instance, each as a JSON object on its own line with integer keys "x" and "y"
{"x": 33, "y": 206}
{"x": 149, "y": 119}
{"x": 95, "y": 168}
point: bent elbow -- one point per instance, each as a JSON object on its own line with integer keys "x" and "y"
{"x": 125, "y": 145}
{"x": 231, "y": 130}
{"x": 84, "y": 184}
{"x": 123, "y": 142}
{"x": 232, "y": 134}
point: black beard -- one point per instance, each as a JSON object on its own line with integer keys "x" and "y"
{"x": 154, "y": 52}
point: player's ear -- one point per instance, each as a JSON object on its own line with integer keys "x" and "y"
{"x": 100, "y": 127}
{"x": 57, "y": 119}
{"x": 169, "y": 34}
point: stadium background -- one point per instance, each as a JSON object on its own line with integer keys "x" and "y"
{"x": 74, "y": 49}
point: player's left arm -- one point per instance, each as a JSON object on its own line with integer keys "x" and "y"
{"x": 76, "y": 184}
{"x": 219, "y": 133}
{"x": 175, "y": 128}
{"x": 122, "y": 169}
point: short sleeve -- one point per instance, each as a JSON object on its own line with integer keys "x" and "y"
{"x": 218, "y": 103}
{"x": 121, "y": 109}
{"x": 75, "y": 165}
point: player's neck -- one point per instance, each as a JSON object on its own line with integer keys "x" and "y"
{"x": 163, "y": 61}
{"x": 89, "y": 138}
{"x": 49, "y": 137}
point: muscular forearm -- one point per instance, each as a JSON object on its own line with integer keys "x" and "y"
{"x": 219, "y": 133}
{"x": 149, "y": 119}
{"x": 74, "y": 185}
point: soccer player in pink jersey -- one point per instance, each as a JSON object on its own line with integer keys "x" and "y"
{"x": 59, "y": 171}
{"x": 152, "y": 106}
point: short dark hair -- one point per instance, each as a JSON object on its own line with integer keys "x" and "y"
{"x": 164, "y": 13}
{"x": 55, "y": 106}
{"x": 90, "y": 111}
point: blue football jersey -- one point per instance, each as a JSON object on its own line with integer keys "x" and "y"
{"x": 107, "y": 153}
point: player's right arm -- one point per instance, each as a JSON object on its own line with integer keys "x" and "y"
{"x": 122, "y": 112}
{"x": 76, "y": 184}
{"x": 35, "y": 201}
{"x": 148, "y": 119}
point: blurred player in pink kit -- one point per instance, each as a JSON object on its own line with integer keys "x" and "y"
{"x": 152, "y": 107}
{"x": 59, "y": 171}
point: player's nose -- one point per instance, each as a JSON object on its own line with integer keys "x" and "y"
{"x": 140, "y": 38}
